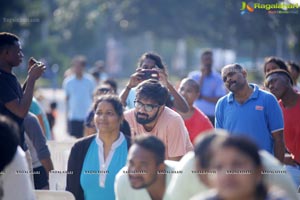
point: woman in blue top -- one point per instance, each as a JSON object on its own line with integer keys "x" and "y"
{"x": 95, "y": 160}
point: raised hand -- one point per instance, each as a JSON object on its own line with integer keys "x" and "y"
{"x": 135, "y": 78}
{"x": 163, "y": 77}
{"x": 35, "y": 70}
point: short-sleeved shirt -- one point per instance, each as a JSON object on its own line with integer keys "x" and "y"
{"x": 186, "y": 184}
{"x": 124, "y": 191}
{"x": 196, "y": 124}
{"x": 170, "y": 129}
{"x": 291, "y": 130}
{"x": 130, "y": 98}
{"x": 36, "y": 109}
{"x": 10, "y": 89}
{"x": 213, "y": 86}
{"x": 257, "y": 118}
{"x": 80, "y": 94}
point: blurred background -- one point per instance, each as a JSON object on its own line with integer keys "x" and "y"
{"x": 120, "y": 31}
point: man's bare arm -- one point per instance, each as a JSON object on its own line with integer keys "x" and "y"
{"x": 278, "y": 145}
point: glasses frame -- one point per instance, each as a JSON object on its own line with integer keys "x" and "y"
{"x": 146, "y": 107}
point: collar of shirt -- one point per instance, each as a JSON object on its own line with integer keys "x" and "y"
{"x": 117, "y": 143}
{"x": 104, "y": 164}
{"x": 254, "y": 95}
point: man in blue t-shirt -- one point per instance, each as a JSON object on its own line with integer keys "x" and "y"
{"x": 79, "y": 88}
{"x": 249, "y": 111}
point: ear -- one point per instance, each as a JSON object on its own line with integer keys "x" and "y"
{"x": 161, "y": 166}
{"x": 244, "y": 72}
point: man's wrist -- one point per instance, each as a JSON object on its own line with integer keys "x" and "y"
{"x": 30, "y": 80}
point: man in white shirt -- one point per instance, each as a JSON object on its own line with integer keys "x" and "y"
{"x": 15, "y": 182}
{"x": 147, "y": 174}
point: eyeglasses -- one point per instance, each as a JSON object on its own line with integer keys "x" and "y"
{"x": 147, "y": 107}
{"x": 104, "y": 90}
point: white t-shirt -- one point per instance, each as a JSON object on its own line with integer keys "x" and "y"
{"x": 124, "y": 191}
{"x": 15, "y": 181}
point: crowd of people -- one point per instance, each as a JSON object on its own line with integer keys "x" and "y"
{"x": 215, "y": 136}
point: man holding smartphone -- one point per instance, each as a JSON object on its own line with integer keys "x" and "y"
{"x": 150, "y": 65}
{"x": 15, "y": 103}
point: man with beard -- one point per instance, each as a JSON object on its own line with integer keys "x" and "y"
{"x": 280, "y": 84}
{"x": 210, "y": 85}
{"x": 151, "y": 116}
{"x": 147, "y": 174}
{"x": 250, "y": 111}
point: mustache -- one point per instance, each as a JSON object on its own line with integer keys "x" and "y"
{"x": 231, "y": 82}
{"x": 142, "y": 114}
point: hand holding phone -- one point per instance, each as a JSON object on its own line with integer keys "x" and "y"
{"x": 149, "y": 74}
{"x": 35, "y": 68}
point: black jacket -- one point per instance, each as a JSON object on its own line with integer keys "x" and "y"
{"x": 75, "y": 164}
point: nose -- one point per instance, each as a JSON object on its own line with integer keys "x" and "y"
{"x": 228, "y": 79}
{"x": 21, "y": 54}
{"x": 133, "y": 170}
{"x": 226, "y": 82}
{"x": 101, "y": 117}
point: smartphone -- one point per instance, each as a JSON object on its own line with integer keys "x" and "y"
{"x": 150, "y": 74}
{"x": 35, "y": 61}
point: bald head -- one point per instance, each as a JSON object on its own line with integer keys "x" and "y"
{"x": 234, "y": 77}
{"x": 190, "y": 83}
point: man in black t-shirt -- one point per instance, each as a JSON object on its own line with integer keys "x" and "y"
{"x": 15, "y": 103}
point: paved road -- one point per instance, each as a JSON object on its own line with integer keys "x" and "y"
{"x": 60, "y": 128}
